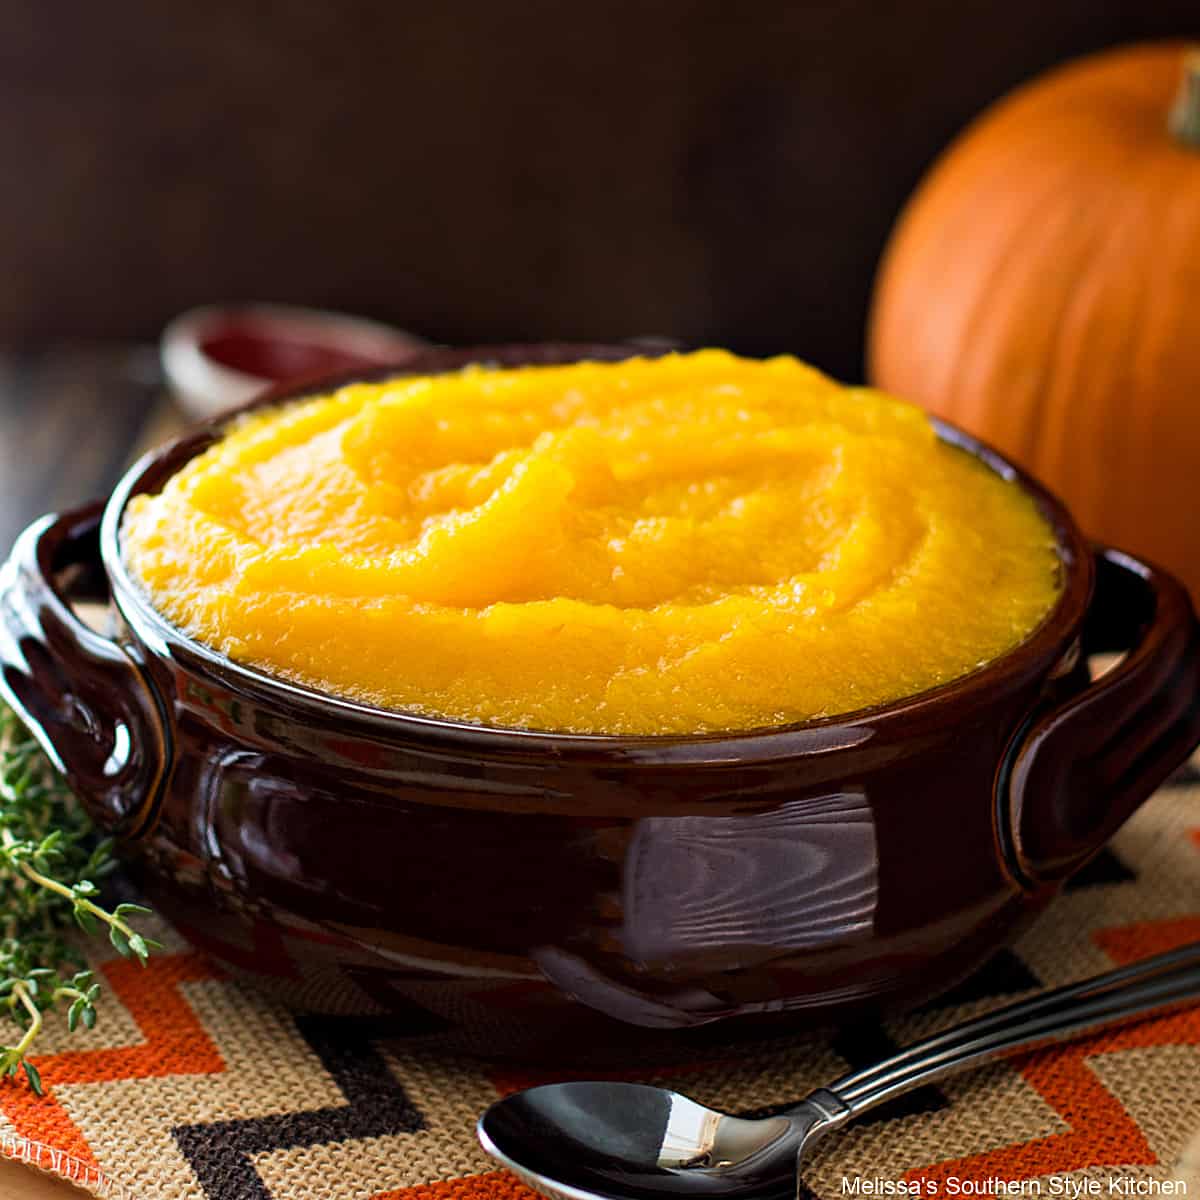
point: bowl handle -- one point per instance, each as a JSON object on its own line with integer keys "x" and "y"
{"x": 83, "y": 697}
{"x": 1076, "y": 771}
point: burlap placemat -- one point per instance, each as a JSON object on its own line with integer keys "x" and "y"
{"x": 194, "y": 1088}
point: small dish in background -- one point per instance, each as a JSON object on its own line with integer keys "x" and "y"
{"x": 220, "y": 356}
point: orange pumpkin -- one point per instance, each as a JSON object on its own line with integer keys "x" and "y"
{"x": 1042, "y": 289}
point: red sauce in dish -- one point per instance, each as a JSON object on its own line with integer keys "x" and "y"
{"x": 262, "y": 349}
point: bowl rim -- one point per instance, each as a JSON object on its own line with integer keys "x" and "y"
{"x": 1047, "y": 648}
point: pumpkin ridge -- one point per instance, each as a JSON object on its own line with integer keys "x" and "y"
{"x": 1049, "y": 213}
{"x": 977, "y": 189}
{"x": 1159, "y": 359}
{"x": 1124, "y": 207}
{"x": 976, "y": 184}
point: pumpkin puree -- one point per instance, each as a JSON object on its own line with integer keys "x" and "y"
{"x": 694, "y": 543}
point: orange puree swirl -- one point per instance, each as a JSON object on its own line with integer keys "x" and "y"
{"x": 694, "y": 543}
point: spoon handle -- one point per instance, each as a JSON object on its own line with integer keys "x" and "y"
{"x": 1151, "y": 985}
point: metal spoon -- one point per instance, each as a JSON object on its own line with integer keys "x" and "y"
{"x": 629, "y": 1141}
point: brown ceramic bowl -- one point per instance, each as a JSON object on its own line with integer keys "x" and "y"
{"x": 545, "y": 890}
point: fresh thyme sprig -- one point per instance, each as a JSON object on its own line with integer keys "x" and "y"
{"x": 49, "y": 862}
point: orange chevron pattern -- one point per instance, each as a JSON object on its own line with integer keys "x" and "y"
{"x": 1101, "y": 1133}
{"x": 1096, "y": 1131}
{"x": 176, "y": 1043}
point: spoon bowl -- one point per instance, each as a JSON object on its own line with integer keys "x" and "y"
{"x": 631, "y": 1141}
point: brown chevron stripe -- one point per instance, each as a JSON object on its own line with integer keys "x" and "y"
{"x": 376, "y": 1104}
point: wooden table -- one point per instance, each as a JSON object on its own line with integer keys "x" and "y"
{"x": 70, "y": 420}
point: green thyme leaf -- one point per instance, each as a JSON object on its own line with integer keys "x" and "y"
{"x": 49, "y": 861}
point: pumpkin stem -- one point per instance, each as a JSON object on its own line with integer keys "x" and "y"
{"x": 1184, "y": 121}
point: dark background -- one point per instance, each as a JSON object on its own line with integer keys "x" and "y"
{"x": 481, "y": 170}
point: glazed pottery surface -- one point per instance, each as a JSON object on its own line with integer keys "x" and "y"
{"x": 545, "y": 892}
